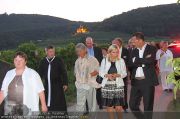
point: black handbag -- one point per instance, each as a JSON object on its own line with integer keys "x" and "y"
{"x": 99, "y": 79}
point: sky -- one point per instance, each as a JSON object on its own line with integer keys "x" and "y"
{"x": 76, "y": 10}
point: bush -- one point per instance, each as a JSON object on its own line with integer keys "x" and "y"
{"x": 35, "y": 54}
{"x": 174, "y": 77}
{"x": 7, "y": 56}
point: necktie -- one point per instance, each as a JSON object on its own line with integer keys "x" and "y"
{"x": 49, "y": 81}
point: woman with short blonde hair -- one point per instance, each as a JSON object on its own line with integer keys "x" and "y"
{"x": 110, "y": 49}
{"x": 113, "y": 70}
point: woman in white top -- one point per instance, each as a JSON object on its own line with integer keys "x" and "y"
{"x": 21, "y": 89}
{"x": 162, "y": 56}
{"x": 113, "y": 70}
{"x": 86, "y": 70}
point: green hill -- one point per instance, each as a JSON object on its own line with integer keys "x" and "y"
{"x": 18, "y": 28}
{"x": 162, "y": 20}
{"x": 156, "y": 21}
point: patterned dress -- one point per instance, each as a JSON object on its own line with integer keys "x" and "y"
{"x": 111, "y": 94}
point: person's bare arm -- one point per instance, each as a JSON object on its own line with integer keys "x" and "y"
{"x": 1, "y": 97}
{"x": 43, "y": 102}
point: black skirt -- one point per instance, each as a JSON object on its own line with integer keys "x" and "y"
{"x": 112, "y": 95}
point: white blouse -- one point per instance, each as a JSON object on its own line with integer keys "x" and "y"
{"x": 121, "y": 69}
{"x": 32, "y": 87}
{"x": 163, "y": 59}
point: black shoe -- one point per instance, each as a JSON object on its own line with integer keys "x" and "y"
{"x": 100, "y": 107}
{"x": 86, "y": 113}
{"x": 166, "y": 90}
{"x": 125, "y": 111}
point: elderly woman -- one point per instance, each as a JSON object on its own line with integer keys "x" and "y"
{"x": 113, "y": 70}
{"x": 86, "y": 70}
{"x": 22, "y": 88}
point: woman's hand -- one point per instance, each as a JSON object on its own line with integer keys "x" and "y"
{"x": 1, "y": 97}
{"x": 109, "y": 76}
{"x": 44, "y": 108}
{"x": 116, "y": 76}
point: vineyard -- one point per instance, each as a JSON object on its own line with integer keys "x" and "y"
{"x": 35, "y": 54}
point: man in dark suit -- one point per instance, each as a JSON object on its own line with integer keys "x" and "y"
{"x": 131, "y": 47}
{"x": 4, "y": 67}
{"x": 97, "y": 53}
{"x": 124, "y": 53}
{"x": 93, "y": 50}
{"x": 144, "y": 78}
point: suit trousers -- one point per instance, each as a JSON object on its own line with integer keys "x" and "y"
{"x": 88, "y": 96}
{"x": 125, "y": 93}
{"x": 142, "y": 91}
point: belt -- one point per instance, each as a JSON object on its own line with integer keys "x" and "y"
{"x": 140, "y": 78}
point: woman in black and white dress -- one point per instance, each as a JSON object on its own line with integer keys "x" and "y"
{"x": 113, "y": 70}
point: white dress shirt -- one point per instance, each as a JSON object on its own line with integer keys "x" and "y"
{"x": 139, "y": 71}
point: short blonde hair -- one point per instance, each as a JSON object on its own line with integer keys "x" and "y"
{"x": 110, "y": 49}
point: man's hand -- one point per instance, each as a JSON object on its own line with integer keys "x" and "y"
{"x": 94, "y": 73}
{"x": 65, "y": 87}
{"x": 44, "y": 108}
{"x": 148, "y": 56}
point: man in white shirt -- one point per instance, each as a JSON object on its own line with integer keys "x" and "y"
{"x": 162, "y": 56}
{"x": 144, "y": 78}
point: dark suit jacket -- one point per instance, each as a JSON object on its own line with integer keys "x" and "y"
{"x": 125, "y": 55}
{"x": 98, "y": 54}
{"x": 4, "y": 67}
{"x": 148, "y": 60}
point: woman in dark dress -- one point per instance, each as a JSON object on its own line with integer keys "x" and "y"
{"x": 113, "y": 70}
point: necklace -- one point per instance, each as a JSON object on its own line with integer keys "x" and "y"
{"x": 17, "y": 82}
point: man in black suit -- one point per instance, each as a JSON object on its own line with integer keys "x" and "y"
{"x": 4, "y": 67}
{"x": 97, "y": 53}
{"x": 93, "y": 50}
{"x": 124, "y": 53}
{"x": 144, "y": 78}
{"x": 131, "y": 47}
